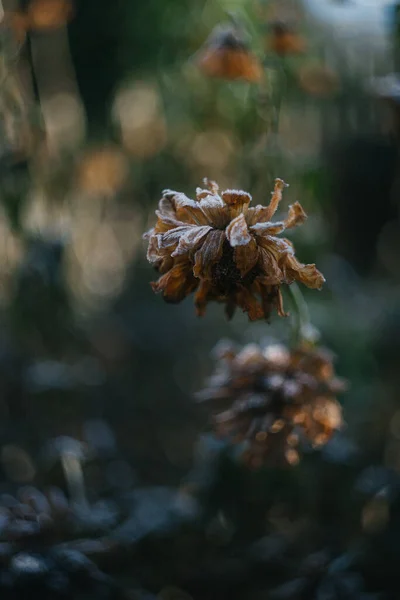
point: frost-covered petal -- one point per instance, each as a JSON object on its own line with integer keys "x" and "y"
{"x": 296, "y": 216}
{"x": 237, "y": 232}
{"x": 153, "y": 254}
{"x": 237, "y": 201}
{"x": 246, "y": 257}
{"x": 166, "y": 205}
{"x": 268, "y": 228}
{"x": 215, "y": 210}
{"x": 209, "y": 253}
{"x": 166, "y": 222}
{"x": 212, "y": 187}
{"x": 173, "y": 236}
{"x": 189, "y": 210}
{"x": 190, "y": 240}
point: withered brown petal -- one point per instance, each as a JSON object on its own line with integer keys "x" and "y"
{"x": 166, "y": 206}
{"x": 152, "y": 249}
{"x": 268, "y": 228}
{"x": 237, "y": 232}
{"x": 201, "y": 296}
{"x": 177, "y": 283}
{"x": 246, "y": 257}
{"x": 189, "y": 211}
{"x": 249, "y": 304}
{"x": 190, "y": 240}
{"x": 166, "y": 222}
{"x": 237, "y": 200}
{"x": 307, "y": 274}
{"x": 212, "y": 187}
{"x": 209, "y": 253}
{"x": 271, "y": 274}
{"x": 173, "y": 236}
{"x": 215, "y": 210}
{"x": 275, "y": 199}
{"x": 296, "y": 216}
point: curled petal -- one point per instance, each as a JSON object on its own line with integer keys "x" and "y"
{"x": 191, "y": 240}
{"x": 209, "y": 253}
{"x": 166, "y": 206}
{"x": 246, "y": 257}
{"x": 296, "y": 216}
{"x": 307, "y": 274}
{"x": 177, "y": 283}
{"x": 275, "y": 200}
{"x": 237, "y": 232}
{"x": 237, "y": 200}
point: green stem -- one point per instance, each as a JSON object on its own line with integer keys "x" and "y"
{"x": 303, "y": 330}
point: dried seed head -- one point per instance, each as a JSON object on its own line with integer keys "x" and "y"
{"x": 226, "y": 251}
{"x": 273, "y": 405}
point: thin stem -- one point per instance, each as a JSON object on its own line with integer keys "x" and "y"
{"x": 303, "y": 330}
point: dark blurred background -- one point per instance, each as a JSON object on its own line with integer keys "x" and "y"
{"x": 102, "y": 107}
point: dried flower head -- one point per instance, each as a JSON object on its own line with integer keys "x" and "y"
{"x": 226, "y": 251}
{"x": 226, "y": 55}
{"x": 284, "y": 40}
{"x": 272, "y": 397}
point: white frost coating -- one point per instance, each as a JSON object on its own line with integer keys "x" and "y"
{"x": 282, "y": 244}
{"x": 211, "y": 201}
{"x": 173, "y": 236}
{"x": 265, "y": 227}
{"x": 237, "y": 193}
{"x": 191, "y": 239}
{"x": 237, "y": 232}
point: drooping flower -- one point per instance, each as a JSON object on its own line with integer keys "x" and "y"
{"x": 225, "y": 251}
{"x": 225, "y": 55}
{"x": 284, "y": 40}
{"x": 273, "y": 397}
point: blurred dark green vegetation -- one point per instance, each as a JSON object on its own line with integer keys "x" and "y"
{"x": 85, "y": 340}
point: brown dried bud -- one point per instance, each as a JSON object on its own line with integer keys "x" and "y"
{"x": 225, "y": 251}
{"x": 273, "y": 397}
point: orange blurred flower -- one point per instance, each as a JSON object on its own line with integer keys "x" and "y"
{"x": 225, "y": 55}
{"x": 284, "y": 41}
